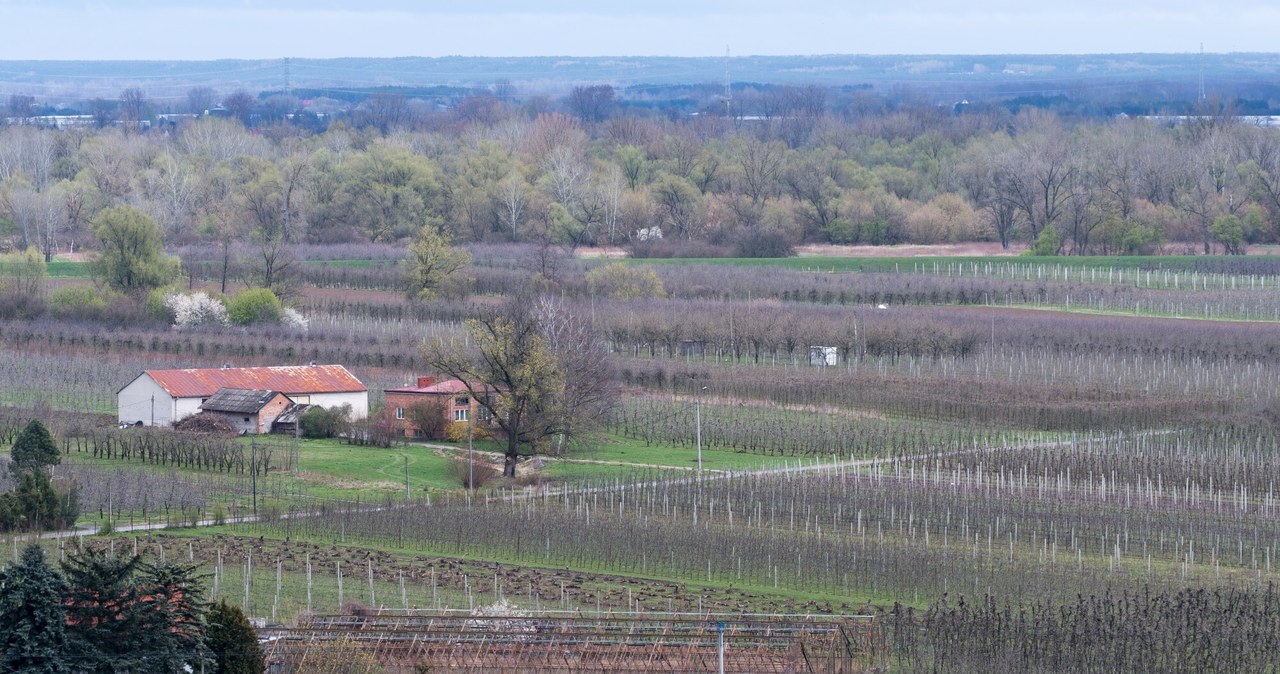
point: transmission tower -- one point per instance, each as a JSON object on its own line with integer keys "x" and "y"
{"x": 1201, "y": 71}
{"x": 728, "y": 86}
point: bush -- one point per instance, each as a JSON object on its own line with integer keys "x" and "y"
{"x": 256, "y": 305}
{"x": 429, "y": 415}
{"x": 195, "y": 310}
{"x": 473, "y": 475}
{"x": 78, "y": 302}
{"x": 457, "y": 432}
{"x": 319, "y": 422}
{"x": 669, "y": 248}
{"x": 291, "y": 318}
{"x": 619, "y": 280}
{"x": 763, "y": 243}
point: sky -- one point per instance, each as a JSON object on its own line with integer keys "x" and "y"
{"x": 211, "y": 29}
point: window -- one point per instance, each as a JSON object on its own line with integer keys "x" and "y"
{"x": 400, "y": 413}
{"x": 246, "y": 419}
{"x": 460, "y": 415}
{"x": 301, "y": 399}
{"x": 462, "y": 402}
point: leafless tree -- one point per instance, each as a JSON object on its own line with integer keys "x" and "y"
{"x": 200, "y": 99}
{"x": 538, "y": 370}
{"x": 240, "y": 104}
{"x": 134, "y": 107}
{"x": 592, "y": 103}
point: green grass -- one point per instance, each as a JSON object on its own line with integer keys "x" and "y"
{"x": 56, "y": 269}
{"x": 906, "y": 264}
{"x": 353, "y": 263}
{"x": 614, "y": 454}
{"x": 335, "y": 465}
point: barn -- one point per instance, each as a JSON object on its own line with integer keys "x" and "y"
{"x": 161, "y": 397}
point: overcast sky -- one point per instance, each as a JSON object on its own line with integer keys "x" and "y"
{"x": 209, "y": 29}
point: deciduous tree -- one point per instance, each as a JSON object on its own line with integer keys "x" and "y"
{"x": 131, "y": 255}
{"x": 433, "y": 262}
{"x": 539, "y": 371}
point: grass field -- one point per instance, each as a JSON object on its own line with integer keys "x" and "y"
{"x": 907, "y": 264}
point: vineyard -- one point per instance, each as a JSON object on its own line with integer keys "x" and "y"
{"x": 1008, "y": 465}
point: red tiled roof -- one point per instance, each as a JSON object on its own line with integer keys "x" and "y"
{"x": 448, "y": 387}
{"x": 287, "y": 379}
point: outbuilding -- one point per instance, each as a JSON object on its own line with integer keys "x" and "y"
{"x": 249, "y": 411}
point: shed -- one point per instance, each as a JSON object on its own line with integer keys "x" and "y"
{"x": 250, "y": 411}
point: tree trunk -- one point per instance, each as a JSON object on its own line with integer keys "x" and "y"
{"x": 508, "y": 464}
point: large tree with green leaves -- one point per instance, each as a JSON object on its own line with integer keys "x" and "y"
{"x": 32, "y": 621}
{"x": 131, "y": 250}
{"x": 433, "y": 262}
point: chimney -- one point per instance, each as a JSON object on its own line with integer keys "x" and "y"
{"x": 424, "y": 382}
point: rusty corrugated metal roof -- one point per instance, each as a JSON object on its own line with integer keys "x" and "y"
{"x": 287, "y": 379}
{"x": 450, "y": 386}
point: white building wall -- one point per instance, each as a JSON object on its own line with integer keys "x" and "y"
{"x": 144, "y": 400}
{"x": 185, "y": 407}
{"x": 358, "y": 401}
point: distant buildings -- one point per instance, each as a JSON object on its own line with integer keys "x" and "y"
{"x": 161, "y": 397}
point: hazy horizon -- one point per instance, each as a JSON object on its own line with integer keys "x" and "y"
{"x": 197, "y": 30}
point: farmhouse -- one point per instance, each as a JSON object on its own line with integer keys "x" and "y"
{"x": 449, "y": 399}
{"x": 161, "y": 397}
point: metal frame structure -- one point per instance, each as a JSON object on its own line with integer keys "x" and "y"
{"x": 568, "y": 642}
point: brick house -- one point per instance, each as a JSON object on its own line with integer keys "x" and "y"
{"x": 451, "y": 397}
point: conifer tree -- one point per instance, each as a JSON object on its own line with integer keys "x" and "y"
{"x": 32, "y": 622}
{"x": 34, "y": 449}
{"x": 232, "y": 642}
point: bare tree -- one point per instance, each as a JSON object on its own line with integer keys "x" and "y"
{"x": 1208, "y": 183}
{"x": 20, "y": 105}
{"x": 200, "y": 99}
{"x": 240, "y": 104}
{"x": 134, "y": 107}
{"x": 591, "y": 103}
{"x": 539, "y": 371}
{"x": 513, "y": 192}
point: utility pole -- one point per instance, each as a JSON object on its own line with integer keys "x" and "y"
{"x": 720, "y": 629}
{"x": 253, "y": 472}
{"x": 697, "y": 415}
